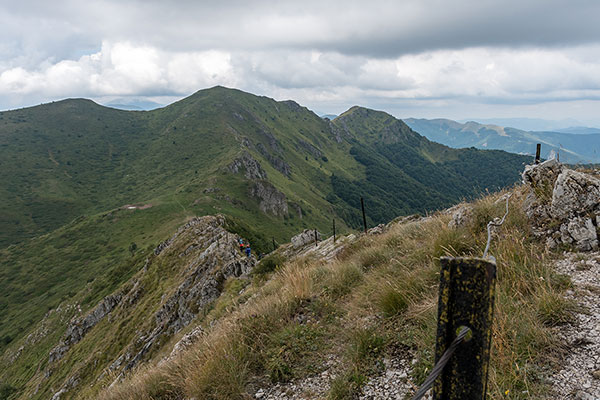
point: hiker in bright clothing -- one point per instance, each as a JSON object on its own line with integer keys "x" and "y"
{"x": 248, "y": 249}
{"x": 241, "y": 243}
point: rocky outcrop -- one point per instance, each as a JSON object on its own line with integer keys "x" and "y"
{"x": 80, "y": 326}
{"x": 462, "y": 214}
{"x": 305, "y": 237}
{"x": 272, "y": 201}
{"x": 337, "y": 132}
{"x": 215, "y": 258}
{"x": 563, "y": 205}
{"x": 186, "y": 341}
{"x": 312, "y": 150}
{"x": 252, "y": 168}
{"x": 277, "y": 162}
{"x": 575, "y": 193}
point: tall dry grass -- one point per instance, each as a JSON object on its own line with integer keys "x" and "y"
{"x": 380, "y": 293}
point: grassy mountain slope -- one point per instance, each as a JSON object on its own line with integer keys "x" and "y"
{"x": 91, "y": 191}
{"x": 406, "y": 173}
{"x": 572, "y": 148}
{"x": 377, "y": 299}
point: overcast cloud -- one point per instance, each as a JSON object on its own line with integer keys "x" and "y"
{"x": 423, "y": 58}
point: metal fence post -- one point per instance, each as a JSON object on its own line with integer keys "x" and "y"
{"x": 538, "y": 150}
{"x": 362, "y": 205}
{"x": 466, "y": 298}
{"x": 334, "y": 230}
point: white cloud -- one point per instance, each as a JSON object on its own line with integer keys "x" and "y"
{"x": 122, "y": 69}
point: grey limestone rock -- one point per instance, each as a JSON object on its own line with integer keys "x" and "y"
{"x": 461, "y": 216}
{"x": 80, "y": 326}
{"x": 252, "y": 167}
{"x": 581, "y": 232}
{"x": 563, "y": 205}
{"x": 215, "y": 258}
{"x": 277, "y": 162}
{"x": 305, "y": 237}
{"x": 272, "y": 201}
{"x": 575, "y": 193}
{"x": 312, "y": 150}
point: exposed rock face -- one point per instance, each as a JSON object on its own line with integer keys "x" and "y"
{"x": 563, "y": 205}
{"x": 198, "y": 259}
{"x": 312, "y": 150}
{"x": 581, "y": 232}
{"x": 80, "y": 326}
{"x": 541, "y": 179}
{"x": 272, "y": 201}
{"x": 336, "y": 132}
{"x": 575, "y": 193}
{"x": 277, "y": 162}
{"x": 186, "y": 341}
{"x": 252, "y": 167}
{"x": 216, "y": 258}
{"x": 461, "y": 215}
{"x": 305, "y": 237}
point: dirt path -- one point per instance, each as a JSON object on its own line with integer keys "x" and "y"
{"x": 579, "y": 377}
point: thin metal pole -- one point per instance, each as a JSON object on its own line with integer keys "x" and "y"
{"x": 362, "y": 205}
{"x": 316, "y": 239}
{"x": 538, "y": 150}
{"x": 334, "y": 230}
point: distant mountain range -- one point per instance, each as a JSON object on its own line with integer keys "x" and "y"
{"x": 528, "y": 124}
{"x": 133, "y": 104}
{"x": 570, "y": 147}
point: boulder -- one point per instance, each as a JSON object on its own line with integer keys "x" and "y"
{"x": 563, "y": 205}
{"x": 575, "y": 193}
{"x": 305, "y": 237}
{"x": 580, "y": 232}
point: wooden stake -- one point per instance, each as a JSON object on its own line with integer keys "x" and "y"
{"x": 466, "y": 298}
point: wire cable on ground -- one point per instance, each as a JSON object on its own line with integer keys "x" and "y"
{"x": 489, "y": 228}
{"x": 439, "y": 367}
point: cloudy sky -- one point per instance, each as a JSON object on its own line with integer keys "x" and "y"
{"x": 422, "y": 58}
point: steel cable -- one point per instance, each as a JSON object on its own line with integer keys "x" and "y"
{"x": 492, "y": 223}
{"x": 439, "y": 366}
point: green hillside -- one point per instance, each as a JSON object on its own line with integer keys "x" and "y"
{"x": 89, "y": 191}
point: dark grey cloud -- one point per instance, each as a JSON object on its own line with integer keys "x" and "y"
{"x": 375, "y": 29}
{"x": 415, "y": 53}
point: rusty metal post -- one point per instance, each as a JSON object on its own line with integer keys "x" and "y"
{"x": 334, "y": 230}
{"x": 316, "y": 239}
{"x": 538, "y": 150}
{"x": 362, "y": 205}
{"x": 466, "y": 298}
